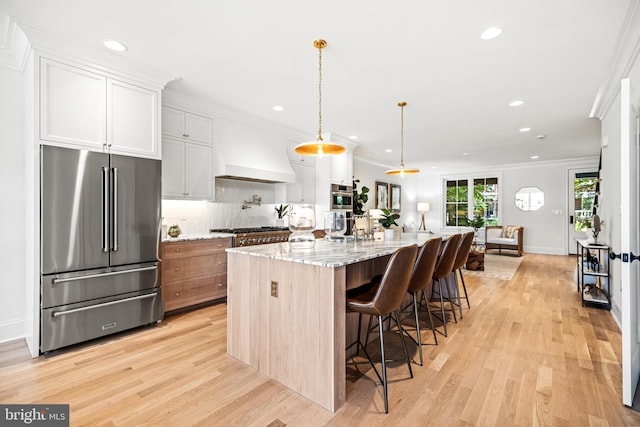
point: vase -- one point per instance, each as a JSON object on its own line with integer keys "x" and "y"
{"x": 389, "y": 234}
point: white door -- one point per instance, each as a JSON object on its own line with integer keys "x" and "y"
{"x": 629, "y": 241}
{"x": 582, "y": 191}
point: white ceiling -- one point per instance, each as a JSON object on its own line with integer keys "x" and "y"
{"x": 253, "y": 54}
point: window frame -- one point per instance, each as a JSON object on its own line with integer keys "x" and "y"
{"x": 470, "y": 201}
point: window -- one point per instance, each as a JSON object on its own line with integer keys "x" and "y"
{"x": 463, "y": 201}
{"x": 585, "y": 186}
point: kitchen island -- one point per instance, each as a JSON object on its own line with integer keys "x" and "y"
{"x": 286, "y": 309}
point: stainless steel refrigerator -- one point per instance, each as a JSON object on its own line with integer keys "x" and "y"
{"x": 100, "y": 229}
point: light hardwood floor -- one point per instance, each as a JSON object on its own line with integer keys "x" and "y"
{"x": 526, "y": 353}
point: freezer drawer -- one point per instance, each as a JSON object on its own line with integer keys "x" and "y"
{"x": 70, "y": 324}
{"x": 69, "y": 288}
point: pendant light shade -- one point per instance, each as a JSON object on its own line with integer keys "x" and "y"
{"x": 402, "y": 171}
{"x": 319, "y": 147}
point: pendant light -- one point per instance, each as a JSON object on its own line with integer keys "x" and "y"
{"x": 402, "y": 171}
{"x": 319, "y": 147}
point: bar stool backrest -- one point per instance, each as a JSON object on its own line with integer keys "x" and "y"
{"x": 447, "y": 257}
{"x": 463, "y": 250}
{"x": 395, "y": 281}
{"x": 422, "y": 276}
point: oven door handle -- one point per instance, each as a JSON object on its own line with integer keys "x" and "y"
{"x": 104, "y": 304}
{"x": 94, "y": 276}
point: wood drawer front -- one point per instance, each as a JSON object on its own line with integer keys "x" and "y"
{"x": 194, "y": 291}
{"x": 197, "y": 247}
{"x": 195, "y": 266}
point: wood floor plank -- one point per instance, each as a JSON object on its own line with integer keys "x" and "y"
{"x": 527, "y": 353}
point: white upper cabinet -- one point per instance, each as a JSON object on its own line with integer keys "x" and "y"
{"x": 85, "y": 108}
{"x": 73, "y": 105}
{"x": 185, "y": 125}
{"x": 303, "y": 190}
{"x": 129, "y": 107}
{"x": 342, "y": 168}
{"x": 187, "y": 171}
{"x": 187, "y": 155}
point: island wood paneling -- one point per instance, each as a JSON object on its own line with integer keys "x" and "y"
{"x": 296, "y": 338}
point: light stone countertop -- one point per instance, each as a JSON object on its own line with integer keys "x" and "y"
{"x": 202, "y": 236}
{"x": 333, "y": 254}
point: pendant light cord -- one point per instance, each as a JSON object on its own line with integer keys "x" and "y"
{"x": 402, "y": 104}
{"x": 319, "y": 94}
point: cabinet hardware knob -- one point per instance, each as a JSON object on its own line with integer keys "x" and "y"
{"x": 177, "y": 294}
{"x": 177, "y": 268}
{"x": 177, "y": 249}
{"x": 220, "y": 285}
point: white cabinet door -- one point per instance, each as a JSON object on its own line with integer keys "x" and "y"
{"x": 304, "y": 189}
{"x": 199, "y": 128}
{"x": 187, "y": 170}
{"x": 73, "y": 105}
{"x": 342, "y": 168}
{"x": 173, "y": 176}
{"x": 132, "y": 119}
{"x": 172, "y": 122}
{"x": 198, "y": 171}
{"x": 188, "y": 126}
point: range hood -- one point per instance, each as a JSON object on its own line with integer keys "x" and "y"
{"x": 249, "y": 154}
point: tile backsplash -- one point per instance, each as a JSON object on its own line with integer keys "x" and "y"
{"x": 199, "y": 216}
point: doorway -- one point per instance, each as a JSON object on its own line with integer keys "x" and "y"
{"x": 583, "y": 188}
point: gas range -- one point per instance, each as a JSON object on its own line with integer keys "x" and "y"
{"x": 256, "y": 235}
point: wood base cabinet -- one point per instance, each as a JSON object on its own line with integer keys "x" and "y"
{"x": 194, "y": 272}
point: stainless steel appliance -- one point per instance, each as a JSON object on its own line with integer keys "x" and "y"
{"x": 257, "y": 235}
{"x": 341, "y": 197}
{"x": 100, "y": 225}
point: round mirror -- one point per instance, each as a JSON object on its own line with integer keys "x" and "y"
{"x": 529, "y": 198}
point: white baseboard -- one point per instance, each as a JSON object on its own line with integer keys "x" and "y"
{"x": 11, "y": 330}
{"x": 544, "y": 250}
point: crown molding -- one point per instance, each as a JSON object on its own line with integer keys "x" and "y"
{"x": 622, "y": 61}
{"x": 112, "y": 63}
{"x": 14, "y": 45}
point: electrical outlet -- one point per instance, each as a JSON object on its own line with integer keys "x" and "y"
{"x": 274, "y": 289}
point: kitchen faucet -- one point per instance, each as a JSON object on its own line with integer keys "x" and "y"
{"x": 255, "y": 200}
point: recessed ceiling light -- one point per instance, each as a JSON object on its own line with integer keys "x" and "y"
{"x": 353, "y": 137}
{"x": 491, "y": 33}
{"x": 535, "y": 157}
{"x": 278, "y": 108}
{"x": 388, "y": 150}
{"x": 115, "y": 45}
{"x": 465, "y": 154}
{"x": 434, "y": 167}
{"x": 525, "y": 129}
{"x": 516, "y": 103}
{"x": 541, "y": 136}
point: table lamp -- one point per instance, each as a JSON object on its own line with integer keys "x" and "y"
{"x": 423, "y": 207}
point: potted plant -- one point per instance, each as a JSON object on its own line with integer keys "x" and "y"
{"x": 359, "y": 199}
{"x": 388, "y": 219}
{"x": 282, "y": 211}
{"x": 476, "y": 223}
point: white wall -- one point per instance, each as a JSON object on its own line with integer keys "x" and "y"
{"x": 13, "y": 205}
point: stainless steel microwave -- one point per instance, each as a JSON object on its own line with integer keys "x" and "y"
{"x": 341, "y": 197}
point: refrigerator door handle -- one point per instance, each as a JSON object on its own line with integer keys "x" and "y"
{"x": 115, "y": 209}
{"x": 105, "y": 209}
{"x": 93, "y": 276}
{"x": 91, "y": 307}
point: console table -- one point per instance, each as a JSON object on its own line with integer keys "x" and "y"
{"x": 593, "y": 274}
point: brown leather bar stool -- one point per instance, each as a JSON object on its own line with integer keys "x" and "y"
{"x": 380, "y": 298}
{"x": 422, "y": 282}
{"x": 444, "y": 267}
{"x": 461, "y": 260}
